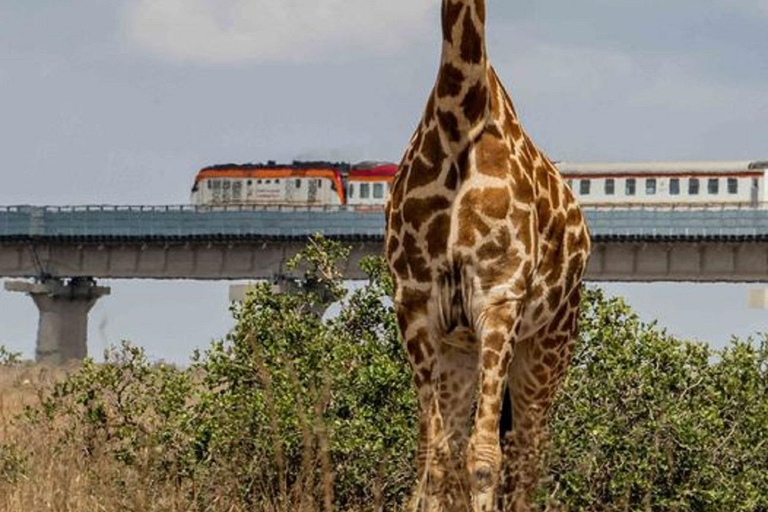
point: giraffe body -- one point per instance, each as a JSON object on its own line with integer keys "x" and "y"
{"x": 487, "y": 248}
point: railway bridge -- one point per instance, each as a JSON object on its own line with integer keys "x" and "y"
{"x": 61, "y": 251}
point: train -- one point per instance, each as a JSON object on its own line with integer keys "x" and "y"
{"x": 365, "y": 185}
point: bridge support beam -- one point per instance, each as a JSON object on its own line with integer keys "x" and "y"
{"x": 62, "y": 331}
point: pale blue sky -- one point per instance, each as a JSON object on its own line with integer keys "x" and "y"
{"x": 123, "y": 101}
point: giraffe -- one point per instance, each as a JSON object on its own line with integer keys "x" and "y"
{"x": 487, "y": 248}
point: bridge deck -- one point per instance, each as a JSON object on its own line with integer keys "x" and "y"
{"x": 175, "y": 223}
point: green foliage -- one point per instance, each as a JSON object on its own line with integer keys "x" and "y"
{"x": 8, "y": 358}
{"x": 290, "y": 410}
{"x": 649, "y": 422}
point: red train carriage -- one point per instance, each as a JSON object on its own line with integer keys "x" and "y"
{"x": 368, "y": 184}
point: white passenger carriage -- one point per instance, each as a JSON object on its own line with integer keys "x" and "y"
{"x": 705, "y": 184}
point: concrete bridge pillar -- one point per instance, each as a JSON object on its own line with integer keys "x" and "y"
{"x": 62, "y": 331}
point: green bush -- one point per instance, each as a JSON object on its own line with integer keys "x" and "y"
{"x": 290, "y": 411}
{"x": 648, "y": 422}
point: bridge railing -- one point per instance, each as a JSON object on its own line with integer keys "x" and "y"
{"x": 186, "y": 221}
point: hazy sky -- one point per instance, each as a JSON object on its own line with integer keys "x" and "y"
{"x": 123, "y": 101}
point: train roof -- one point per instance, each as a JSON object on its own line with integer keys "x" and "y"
{"x": 295, "y": 165}
{"x": 661, "y": 167}
{"x": 376, "y": 169}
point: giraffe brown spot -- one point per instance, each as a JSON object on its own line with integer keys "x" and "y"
{"x": 544, "y": 211}
{"x": 554, "y": 296}
{"x": 451, "y": 13}
{"x": 450, "y": 124}
{"x": 492, "y": 154}
{"x": 432, "y": 148}
{"x": 417, "y": 265}
{"x": 437, "y": 235}
{"x": 480, "y": 8}
{"x": 540, "y": 373}
{"x": 490, "y": 358}
{"x": 494, "y": 341}
{"x": 554, "y": 191}
{"x": 523, "y": 188}
{"x": 393, "y": 244}
{"x": 429, "y": 112}
{"x": 550, "y": 360}
{"x": 575, "y": 217}
{"x": 495, "y": 202}
{"x": 421, "y": 174}
{"x": 471, "y": 42}
{"x": 574, "y": 271}
{"x": 452, "y": 178}
{"x": 450, "y": 81}
{"x": 395, "y": 219}
{"x": 521, "y": 219}
{"x": 418, "y": 211}
{"x": 414, "y": 301}
{"x": 470, "y": 221}
{"x": 491, "y": 251}
{"x": 475, "y": 102}
{"x": 542, "y": 179}
{"x": 513, "y": 126}
{"x": 400, "y": 266}
{"x": 413, "y": 346}
{"x": 575, "y": 299}
{"x": 463, "y": 163}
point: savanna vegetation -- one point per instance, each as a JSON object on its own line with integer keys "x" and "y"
{"x": 290, "y": 412}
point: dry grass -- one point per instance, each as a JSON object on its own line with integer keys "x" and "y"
{"x": 39, "y": 473}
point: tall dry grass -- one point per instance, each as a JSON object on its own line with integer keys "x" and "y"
{"x": 40, "y": 473}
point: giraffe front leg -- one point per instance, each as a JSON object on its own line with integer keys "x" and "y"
{"x": 497, "y": 328}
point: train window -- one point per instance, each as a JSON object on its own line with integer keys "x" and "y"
{"x": 277, "y": 181}
{"x": 650, "y": 186}
{"x": 298, "y": 183}
{"x": 610, "y": 186}
{"x": 713, "y": 186}
{"x": 733, "y": 186}
{"x": 378, "y": 190}
{"x": 258, "y": 182}
{"x": 693, "y": 186}
{"x": 268, "y": 182}
{"x": 210, "y": 184}
{"x": 351, "y": 191}
{"x": 250, "y": 182}
{"x": 237, "y": 190}
{"x": 674, "y": 186}
{"x": 630, "y": 186}
{"x": 319, "y": 183}
{"x": 584, "y": 187}
{"x": 365, "y": 191}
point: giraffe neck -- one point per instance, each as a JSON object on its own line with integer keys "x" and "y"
{"x": 462, "y": 83}
{"x": 464, "y": 33}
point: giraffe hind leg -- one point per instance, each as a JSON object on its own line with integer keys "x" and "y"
{"x": 496, "y": 332}
{"x": 458, "y": 362}
{"x": 535, "y": 375}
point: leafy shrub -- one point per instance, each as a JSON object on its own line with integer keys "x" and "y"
{"x": 648, "y": 422}
{"x": 290, "y": 412}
